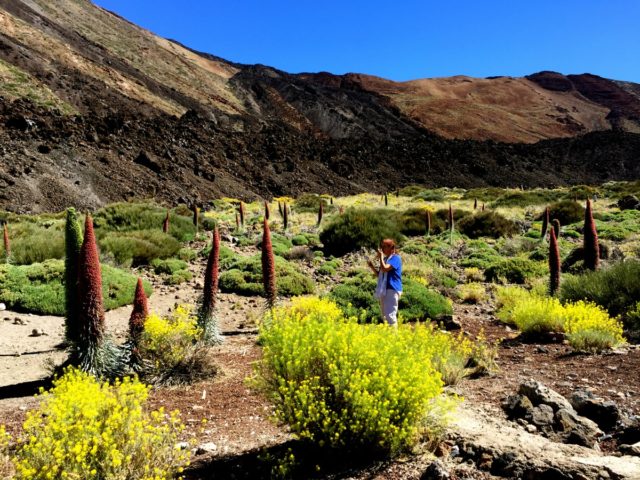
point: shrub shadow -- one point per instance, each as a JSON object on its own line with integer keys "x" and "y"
{"x": 310, "y": 462}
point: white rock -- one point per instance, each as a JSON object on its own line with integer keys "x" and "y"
{"x": 208, "y": 447}
{"x": 2, "y": 307}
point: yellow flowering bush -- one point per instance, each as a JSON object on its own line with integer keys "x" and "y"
{"x": 471, "y": 292}
{"x": 88, "y": 430}
{"x": 342, "y": 384}
{"x": 6, "y": 465}
{"x": 588, "y": 327}
{"x": 172, "y": 349}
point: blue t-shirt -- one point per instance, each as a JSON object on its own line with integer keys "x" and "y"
{"x": 394, "y": 276}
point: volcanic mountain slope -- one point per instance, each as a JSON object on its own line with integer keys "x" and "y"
{"x": 96, "y": 109}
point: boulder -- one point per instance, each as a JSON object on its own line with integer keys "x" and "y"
{"x": 435, "y": 471}
{"x": 577, "y": 430}
{"x": 605, "y": 413}
{"x": 541, "y": 394}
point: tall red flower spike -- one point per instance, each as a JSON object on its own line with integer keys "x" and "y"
{"x": 165, "y": 224}
{"x": 268, "y": 267}
{"x": 285, "y": 217}
{"x": 140, "y": 312}
{"x": 320, "y": 212}
{"x": 475, "y": 203}
{"x": 554, "y": 263}
{"x": 427, "y": 219}
{"x": 90, "y": 308}
{"x": 545, "y": 223}
{"x": 267, "y": 212}
{"x": 7, "y": 244}
{"x": 241, "y": 210}
{"x": 591, "y": 247}
{"x": 206, "y": 316}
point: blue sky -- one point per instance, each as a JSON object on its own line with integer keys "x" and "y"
{"x": 406, "y": 39}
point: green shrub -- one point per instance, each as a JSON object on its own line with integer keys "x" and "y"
{"x": 513, "y": 270}
{"x": 616, "y": 288}
{"x": 412, "y": 222}
{"x": 430, "y": 196}
{"x": 343, "y": 385}
{"x": 36, "y": 241}
{"x": 187, "y": 254}
{"x": 135, "y": 248}
{"x": 487, "y": 224}
{"x": 567, "y": 211}
{"x": 129, "y": 217}
{"x": 227, "y": 256}
{"x": 329, "y": 267}
{"x": 244, "y": 277}
{"x": 358, "y": 228}
{"x": 485, "y": 194}
{"x": 417, "y": 303}
{"x": 471, "y": 293}
{"x": 86, "y": 429}
{"x": 310, "y": 202}
{"x": 442, "y": 217}
{"x": 181, "y": 276}
{"x": 411, "y": 190}
{"x": 281, "y": 244}
{"x": 517, "y": 198}
{"x": 39, "y": 288}
{"x": 170, "y": 265}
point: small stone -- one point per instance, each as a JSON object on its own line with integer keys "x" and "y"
{"x": 3, "y": 307}
{"x": 435, "y": 471}
{"x": 182, "y": 445}
{"x": 37, "y": 332}
{"x": 531, "y": 428}
{"x": 208, "y": 447}
{"x": 18, "y": 321}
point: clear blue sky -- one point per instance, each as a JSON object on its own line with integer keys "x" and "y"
{"x": 405, "y": 39}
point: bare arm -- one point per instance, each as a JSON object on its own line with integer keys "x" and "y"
{"x": 384, "y": 267}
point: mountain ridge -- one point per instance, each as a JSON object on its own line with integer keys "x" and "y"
{"x": 89, "y": 99}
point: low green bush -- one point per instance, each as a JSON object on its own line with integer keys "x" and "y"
{"x": 342, "y": 385}
{"x": 411, "y": 190}
{"x": 310, "y": 202}
{"x": 169, "y": 265}
{"x": 135, "y": 248}
{"x": 244, "y": 277}
{"x": 35, "y": 240}
{"x": 616, "y": 288}
{"x": 358, "y": 228}
{"x": 178, "y": 277}
{"x": 39, "y": 288}
{"x": 412, "y": 222}
{"x": 329, "y": 267}
{"x": 442, "y": 217}
{"x": 129, "y": 217}
{"x": 280, "y": 244}
{"x": 513, "y": 270}
{"x": 485, "y": 194}
{"x": 429, "y": 196}
{"x": 567, "y": 211}
{"x": 187, "y": 254}
{"x": 487, "y": 224}
{"x": 519, "y": 198}
{"x": 354, "y": 296}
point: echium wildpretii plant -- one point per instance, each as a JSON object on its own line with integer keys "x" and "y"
{"x": 138, "y": 316}
{"x": 196, "y": 216}
{"x": 6, "y": 242}
{"x": 285, "y": 217}
{"x": 427, "y": 221}
{"x": 207, "y": 318}
{"x": 242, "y": 213}
{"x": 554, "y": 263}
{"x": 591, "y": 247}
{"x": 268, "y": 267}
{"x": 450, "y": 221}
{"x": 320, "y": 212}
{"x": 165, "y": 224}
{"x": 73, "y": 244}
{"x": 545, "y": 223}
{"x": 475, "y": 203}
{"x": 267, "y": 212}
{"x": 556, "y": 227}
{"x": 94, "y": 352}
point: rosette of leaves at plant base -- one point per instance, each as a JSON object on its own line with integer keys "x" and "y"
{"x": 355, "y": 298}
{"x": 244, "y": 277}
{"x": 487, "y": 224}
{"x": 514, "y": 270}
{"x": 39, "y": 288}
{"x": 357, "y": 228}
{"x": 309, "y": 202}
{"x": 567, "y": 211}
